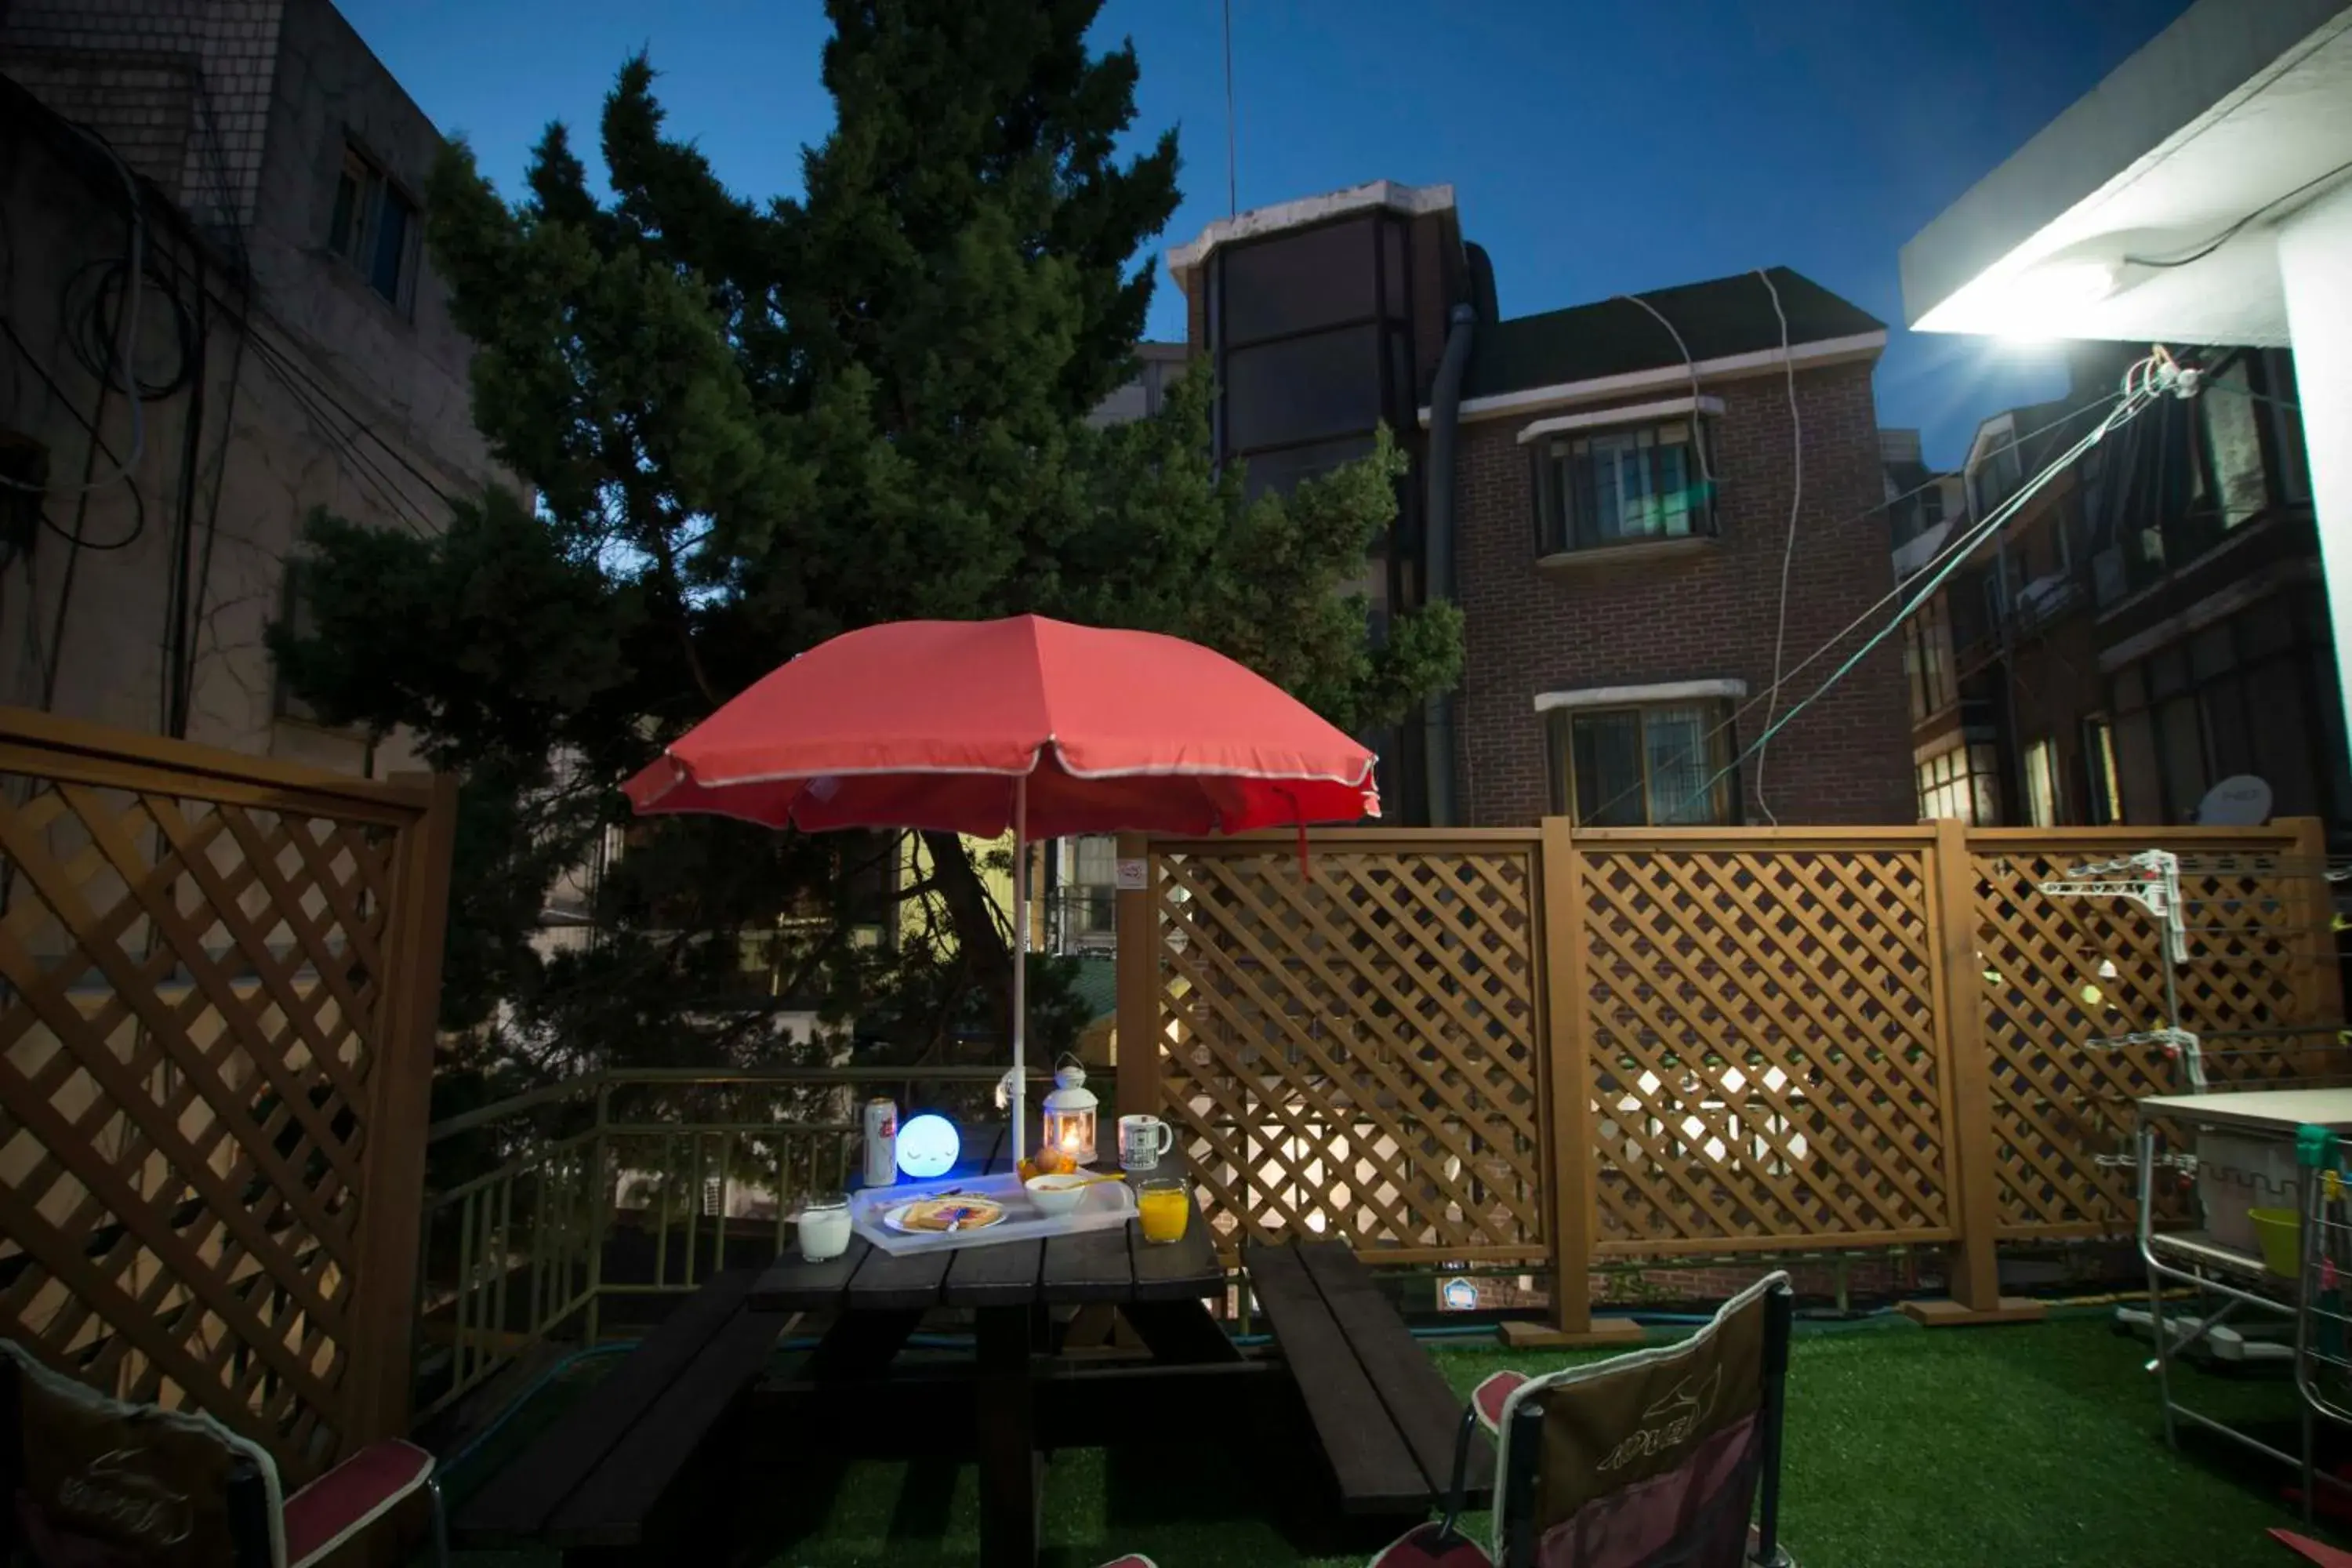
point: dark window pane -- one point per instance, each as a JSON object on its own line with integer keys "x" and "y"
{"x": 2267, "y": 628}
{"x": 342, "y": 233}
{"x": 1398, "y": 306}
{"x": 391, "y": 244}
{"x": 1609, "y": 785}
{"x": 2131, "y": 689}
{"x": 2143, "y": 790}
{"x": 1282, "y": 471}
{"x": 2209, "y": 653}
{"x": 1302, "y": 389}
{"x": 2230, "y": 749}
{"x": 2168, "y": 672}
{"x": 2180, "y": 744}
{"x": 1404, "y": 397}
{"x": 1682, "y": 762}
{"x": 1311, "y": 279}
{"x": 2285, "y": 739}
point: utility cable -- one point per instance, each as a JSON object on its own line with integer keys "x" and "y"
{"x": 138, "y": 500}
{"x": 1788, "y": 549}
{"x": 1961, "y": 541}
{"x": 2201, "y": 251}
{"x": 364, "y": 466}
{"x": 134, "y": 266}
{"x": 1698, "y": 437}
{"x": 1232, "y": 126}
{"x": 361, "y": 424}
{"x": 2123, "y": 414}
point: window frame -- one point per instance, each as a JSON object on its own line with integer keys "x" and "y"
{"x": 355, "y": 232}
{"x": 1559, "y": 749}
{"x": 2045, "y": 797}
{"x": 2102, "y": 773}
{"x": 1559, "y": 525}
{"x": 1964, "y": 767}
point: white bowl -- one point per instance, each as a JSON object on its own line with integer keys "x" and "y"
{"x": 1058, "y": 1194}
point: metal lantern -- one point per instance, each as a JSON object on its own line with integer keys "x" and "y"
{"x": 1069, "y": 1115}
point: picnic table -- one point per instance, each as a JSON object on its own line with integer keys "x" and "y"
{"x": 878, "y": 1300}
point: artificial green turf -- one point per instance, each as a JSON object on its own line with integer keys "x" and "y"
{"x": 2026, "y": 1446}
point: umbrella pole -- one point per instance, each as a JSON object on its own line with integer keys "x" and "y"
{"x": 1020, "y": 962}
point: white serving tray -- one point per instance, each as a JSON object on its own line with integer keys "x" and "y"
{"x": 1105, "y": 1205}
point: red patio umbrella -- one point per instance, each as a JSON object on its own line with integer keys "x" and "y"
{"x": 1031, "y": 724}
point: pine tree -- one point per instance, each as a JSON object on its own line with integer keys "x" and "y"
{"x": 753, "y": 426}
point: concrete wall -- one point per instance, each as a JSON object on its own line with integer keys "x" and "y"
{"x": 1706, "y": 615}
{"x": 306, "y": 389}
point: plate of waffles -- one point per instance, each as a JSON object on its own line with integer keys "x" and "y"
{"x": 946, "y": 1212}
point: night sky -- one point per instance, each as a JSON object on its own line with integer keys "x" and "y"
{"x": 1594, "y": 146}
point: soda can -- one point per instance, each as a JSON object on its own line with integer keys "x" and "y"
{"x": 881, "y": 1142}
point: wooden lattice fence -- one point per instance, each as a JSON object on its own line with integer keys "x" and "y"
{"x": 2259, "y": 988}
{"x": 1759, "y": 1037}
{"x": 1494, "y": 1045}
{"x": 218, "y": 977}
{"x": 1355, "y": 1054}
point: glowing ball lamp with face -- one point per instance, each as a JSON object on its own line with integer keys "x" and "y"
{"x": 927, "y": 1147}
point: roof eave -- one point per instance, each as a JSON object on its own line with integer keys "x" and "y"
{"x": 1816, "y": 356}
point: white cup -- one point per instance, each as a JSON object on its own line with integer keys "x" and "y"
{"x": 824, "y": 1229}
{"x": 1141, "y": 1141}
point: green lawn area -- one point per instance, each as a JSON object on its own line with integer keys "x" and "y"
{"x": 2037, "y": 1445}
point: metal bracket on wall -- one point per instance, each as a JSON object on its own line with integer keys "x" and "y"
{"x": 2179, "y": 1044}
{"x": 2150, "y": 879}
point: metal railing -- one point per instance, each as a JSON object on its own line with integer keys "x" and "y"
{"x": 563, "y": 1209}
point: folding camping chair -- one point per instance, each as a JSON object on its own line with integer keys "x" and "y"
{"x": 91, "y": 1482}
{"x": 1658, "y": 1458}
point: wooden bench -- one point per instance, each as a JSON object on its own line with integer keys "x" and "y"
{"x": 1386, "y": 1419}
{"x": 594, "y": 1483}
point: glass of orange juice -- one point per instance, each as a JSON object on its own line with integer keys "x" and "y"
{"x": 1162, "y": 1204}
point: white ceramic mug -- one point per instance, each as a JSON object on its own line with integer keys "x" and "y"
{"x": 1141, "y": 1141}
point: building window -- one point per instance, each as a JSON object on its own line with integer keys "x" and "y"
{"x": 373, "y": 226}
{"x": 2099, "y": 771}
{"x": 1959, "y": 784}
{"x": 1995, "y": 478}
{"x": 2041, "y": 794}
{"x": 1089, "y": 898}
{"x": 1661, "y": 765}
{"x": 2248, "y": 695}
{"x": 1602, "y": 487}
{"x": 1927, "y": 660}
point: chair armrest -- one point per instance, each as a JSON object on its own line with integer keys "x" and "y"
{"x": 352, "y": 1496}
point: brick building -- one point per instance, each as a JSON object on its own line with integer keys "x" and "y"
{"x": 1606, "y": 490}
{"x": 292, "y": 349}
{"x": 2151, "y": 624}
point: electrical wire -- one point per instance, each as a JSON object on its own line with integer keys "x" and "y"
{"x": 1788, "y": 549}
{"x": 361, "y": 424}
{"x": 2207, "y": 249}
{"x": 362, "y": 466}
{"x": 1232, "y": 126}
{"x": 2124, "y": 413}
{"x": 1960, "y": 541}
{"x": 1698, "y": 437}
{"x": 93, "y": 343}
{"x": 138, "y": 500}
{"x": 134, "y": 265}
